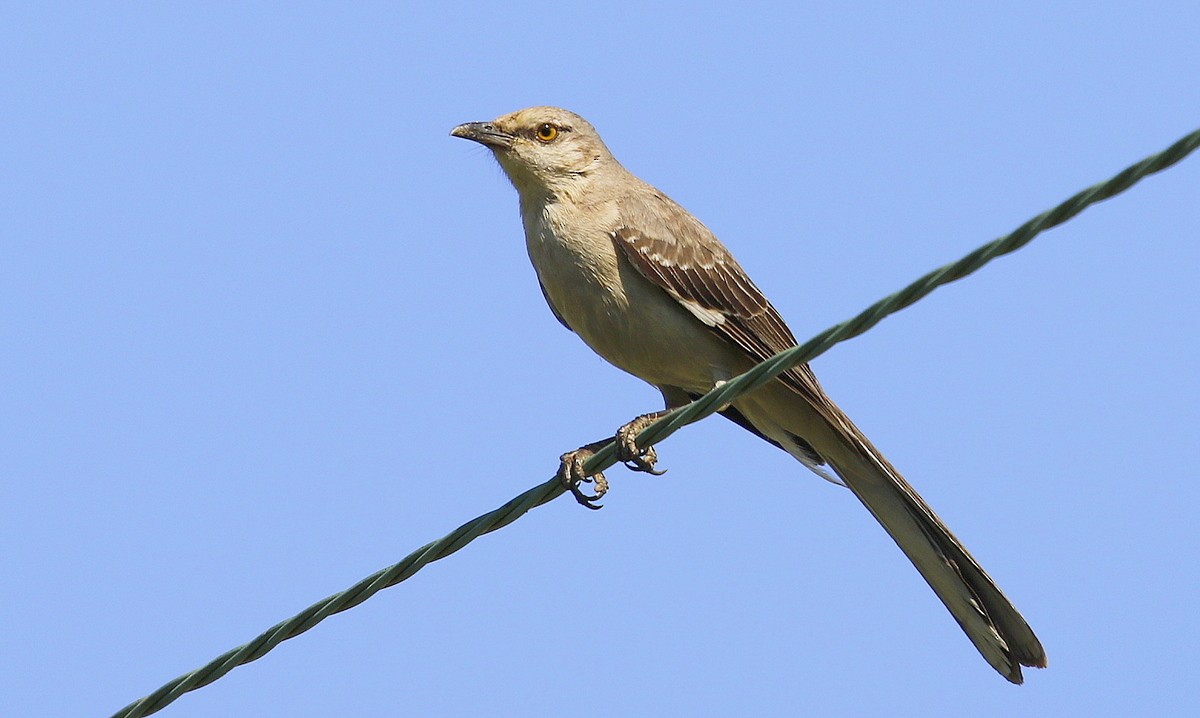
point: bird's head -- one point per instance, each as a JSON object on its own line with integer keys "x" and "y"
{"x": 543, "y": 150}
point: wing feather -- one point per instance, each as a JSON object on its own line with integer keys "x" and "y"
{"x": 702, "y": 272}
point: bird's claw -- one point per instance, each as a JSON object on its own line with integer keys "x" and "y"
{"x": 627, "y": 450}
{"x": 572, "y": 475}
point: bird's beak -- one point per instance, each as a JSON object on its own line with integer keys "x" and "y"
{"x": 485, "y": 133}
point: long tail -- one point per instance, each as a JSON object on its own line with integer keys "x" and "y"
{"x": 985, "y": 614}
{"x": 988, "y": 618}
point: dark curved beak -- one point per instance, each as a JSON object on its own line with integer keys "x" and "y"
{"x": 485, "y": 133}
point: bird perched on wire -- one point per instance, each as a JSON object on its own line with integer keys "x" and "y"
{"x": 652, "y": 290}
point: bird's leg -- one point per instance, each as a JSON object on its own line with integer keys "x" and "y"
{"x": 572, "y": 474}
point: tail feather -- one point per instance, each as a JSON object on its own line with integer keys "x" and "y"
{"x": 988, "y": 618}
{"x": 985, "y": 614}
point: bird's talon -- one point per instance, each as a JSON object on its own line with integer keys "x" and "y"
{"x": 572, "y": 475}
{"x": 627, "y": 450}
{"x": 639, "y": 464}
{"x": 634, "y": 458}
{"x": 584, "y": 499}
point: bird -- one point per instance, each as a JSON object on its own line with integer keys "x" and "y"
{"x": 651, "y": 290}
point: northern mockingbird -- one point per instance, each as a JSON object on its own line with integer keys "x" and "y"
{"x": 650, "y": 289}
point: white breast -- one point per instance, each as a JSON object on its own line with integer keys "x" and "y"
{"x": 620, "y": 314}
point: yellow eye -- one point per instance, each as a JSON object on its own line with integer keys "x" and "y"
{"x": 547, "y": 132}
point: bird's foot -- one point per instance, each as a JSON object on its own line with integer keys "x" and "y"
{"x": 628, "y": 453}
{"x": 570, "y": 465}
{"x": 572, "y": 475}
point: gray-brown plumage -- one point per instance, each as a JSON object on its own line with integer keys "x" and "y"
{"x": 652, "y": 290}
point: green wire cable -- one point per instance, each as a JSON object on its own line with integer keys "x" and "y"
{"x": 656, "y": 432}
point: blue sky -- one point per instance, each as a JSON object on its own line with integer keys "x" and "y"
{"x": 268, "y": 328}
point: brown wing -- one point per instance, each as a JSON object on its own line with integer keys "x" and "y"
{"x": 675, "y": 251}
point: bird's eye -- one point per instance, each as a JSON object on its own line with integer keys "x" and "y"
{"x": 547, "y": 132}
